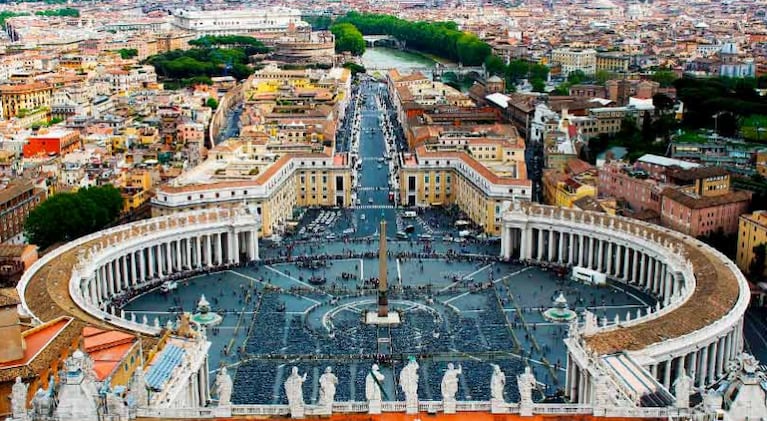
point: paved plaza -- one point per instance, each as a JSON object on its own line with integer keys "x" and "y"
{"x": 303, "y": 303}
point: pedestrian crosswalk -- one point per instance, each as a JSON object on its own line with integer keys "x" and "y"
{"x": 373, "y": 207}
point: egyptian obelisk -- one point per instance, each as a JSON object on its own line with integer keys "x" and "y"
{"x": 383, "y": 300}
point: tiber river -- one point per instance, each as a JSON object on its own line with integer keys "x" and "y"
{"x": 390, "y": 58}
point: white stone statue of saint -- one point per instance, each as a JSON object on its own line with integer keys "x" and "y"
{"x": 450, "y": 382}
{"x": 525, "y": 384}
{"x": 373, "y": 384}
{"x": 328, "y": 382}
{"x": 682, "y": 388}
{"x": 408, "y": 381}
{"x": 224, "y": 387}
{"x": 497, "y": 383}
{"x": 294, "y": 389}
{"x": 19, "y": 399}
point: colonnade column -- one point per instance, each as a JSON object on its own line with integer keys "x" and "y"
{"x": 570, "y": 248}
{"x": 209, "y": 249}
{"x": 540, "y": 245}
{"x": 600, "y": 256}
{"x": 219, "y": 251}
{"x": 703, "y": 366}
{"x": 142, "y": 264}
{"x": 625, "y": 268}
{"x": 561, "y": 252}
{"x": 124, "y": 273}
{"x": 550, "y": 256}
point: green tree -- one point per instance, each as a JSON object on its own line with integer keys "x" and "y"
{"x": 538, "y": 84}
{"x": 5, "y": 15}
{"x": 65, "y": 12}
{"x": 666, "y": 78}
{"x": 494, "y": 65}
{"x": 66, "y": 216}
{"x": 602, "y": 76}
{"x": 348, "y": 38}
{"x": 443, "y": 39}
{"x": 126, "y": 53}
{"x": 212, "y": 103}
{"x": 354, "y": 67}
{"x": 576, "y": 76}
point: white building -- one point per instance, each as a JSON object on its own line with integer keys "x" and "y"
{"x": 575, "y": 59}
{"x": 230, "y": 22}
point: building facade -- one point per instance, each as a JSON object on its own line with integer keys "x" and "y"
{"x": 752, "y": 232}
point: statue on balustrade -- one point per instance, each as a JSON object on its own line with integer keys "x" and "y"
{"x": 374, "y": 384}
{"x": 450, "y": 382}
{"x": 408, "y": 380}
{"x": 19, "y": 399}
{"x": 224, "y": 387}
{"x": 526, "y": 384}
{"x": 294, "y": 389}
{"x": 497, "y": 383}
{"x": 328, "y": 383}
{"x": 682, "y": 388}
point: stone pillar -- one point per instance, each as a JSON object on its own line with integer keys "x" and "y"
{"x": 524, "y": 245}
{"x": 561, "y": 252}
{"x": 720, "y": 358}
{"x": 505, "y": 242}
{"x": 219, "y": 250}
{"x": 133, "y": 269}
{"x": 703, "y": 374}
{"x": 550, "y": 253}
{"x": 110, "y": 278}
{"x": 667, "y": 374}
{"x": 539, "y": 251}
{"x": 635, "y": 268}
{"x": 600, "y": 257}
{"x": 693, "y": 360}
{"x": 169, "y": 257}
{"x": 580, "y": 250}
{"x": 642, "y": 270}
{"x": 160, "y": 260}
{"x": 625, "y": 267}
{"x": 179, "y": 255}
{"x": 667, "y": 282}
{"x": 609, "y": 265}
{"x": 142, "y": 265}
{"x": 592, "y": 260}
{"x": 198, "y": 249}
{"x": 189, "y": 256}
{"x": 209, "y": 249}
{"x": 713, "y": 361}
{"x": 124, "y": 274}
{"x": 570, "y": 248}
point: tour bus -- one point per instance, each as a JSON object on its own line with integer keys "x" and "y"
{"x": 589, "y": 276}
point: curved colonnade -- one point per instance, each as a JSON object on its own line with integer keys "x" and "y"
{"x": 111, "y": 263}
{"x": 702, "y": 296}
{"x": 696, "y": 325}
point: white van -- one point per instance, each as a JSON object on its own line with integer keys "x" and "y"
{"x": 409, "y": 214}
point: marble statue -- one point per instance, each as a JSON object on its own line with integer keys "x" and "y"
{"x": 41, "y": 405}
{"x": 328, "y": 382}
{"x": 682, "y": 388}
{"x": 526, "y": 383}
{"x": 497, "y": 383}
{"x": 138, "y": 388}
{"x": 294, "y": 389}
{"x": 373, "y": 384}
{"x": 224, "y": 387}
{"x": 19, "y": 399}
{"x": 450, "y": 382}
{"x": 408, "y": 380}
